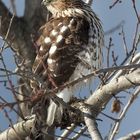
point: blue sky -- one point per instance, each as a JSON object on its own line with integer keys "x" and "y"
{"x": 110, "y": 18}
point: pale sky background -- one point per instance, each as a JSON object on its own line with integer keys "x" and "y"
{"x": 110, "y": 18}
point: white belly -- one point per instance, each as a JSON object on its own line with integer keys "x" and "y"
{"x": 80, "y": 71}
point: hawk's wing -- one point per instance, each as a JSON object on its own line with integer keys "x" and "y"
{"x": 61, "y": 42}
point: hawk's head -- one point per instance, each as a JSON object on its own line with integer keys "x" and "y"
{"x": 48, "y": 2}
{"x": 65, "y": 7}
{"x": 55, "y": 6}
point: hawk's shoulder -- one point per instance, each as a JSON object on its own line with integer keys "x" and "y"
{"x": 74, "y": 29}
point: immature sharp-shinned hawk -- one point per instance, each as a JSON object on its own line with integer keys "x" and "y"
{"x": 70, "y": 47}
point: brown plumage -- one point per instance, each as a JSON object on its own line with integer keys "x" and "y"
{"x": 69, "y": 47}
{"x": 64, "y": 58}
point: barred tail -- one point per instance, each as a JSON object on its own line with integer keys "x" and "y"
{"x": 55, "y": 111}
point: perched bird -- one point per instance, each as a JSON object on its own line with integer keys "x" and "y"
{"x": 70, "y": 46}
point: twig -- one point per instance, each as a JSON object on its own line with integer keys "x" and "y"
{"x": 124, "y": 42}
{"x": 123, "y": 113}
{"x": 67, "y": 132}
{"x": 132, "y": 136}
{"x": 115, "y": 2}
{"x": 94, "y": 73}
{"x": 136, "y": 60}
{"x": 134, "y": 47}
{"x": 81, "y": 131}
{"x": 97, "y": 100}
{"x": 117, "y": 27}
{"x": 131, "y": 53}
{"x": 9, "y": 80}
{"x": 134, "y": 6}
{"x": 103, "y": 95}
{"x": 13, "y": 7}
{"x": 108, "y": 51}
{"x": 115, "y": 58}
{"x": 11, "y": 105}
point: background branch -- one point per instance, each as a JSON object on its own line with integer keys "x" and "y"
{"x": 102, "y": 96}
{"x": 123, "y": 113}
{"x": 134, "y": 135}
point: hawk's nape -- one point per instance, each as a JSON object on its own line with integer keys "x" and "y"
{"x": 69, "y": 47}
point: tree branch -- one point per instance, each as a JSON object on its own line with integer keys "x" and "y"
{"x": 132, "y": 136}
{"x": 123, "y": 113}
{"x": 19, "y": 37}
{"x": 23, "y": 31}
{"x": 90, "y": 121}
{"x": 67, "y": 132}
{"x": 93, "y": 129}
{"x": 5, "y": 17}
{"x": 100, "y": 97}
{"x": 19, "y": 130}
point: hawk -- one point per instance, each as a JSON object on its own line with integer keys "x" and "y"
{"x": 70, "y": 46}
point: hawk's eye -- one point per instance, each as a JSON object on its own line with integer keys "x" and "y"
{"x": 46, "y": 1}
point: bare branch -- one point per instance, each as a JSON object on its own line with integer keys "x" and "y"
{"x": 114, "y": 3}
{"x": 13, "y": 7}
{"x": 21, "y": 130}
{"x": 24, "y": 30}
{"x": 67, "y": 132}
{"x": 81, "y": 131}
{"x": 134, "y": 135}
{"x": 18, "y": 37}
{"x": 123, "y": 113}
{"x": 104, "y": 94}
{"x": 92, "y": 126}
{"x": 5, "y": 18}
{"x": 101, "y": 97}
{"x": 134, "y": 6}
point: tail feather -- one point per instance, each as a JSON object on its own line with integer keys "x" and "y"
{"x": 55, "y": 110}
{"x": 52, "y": 109}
